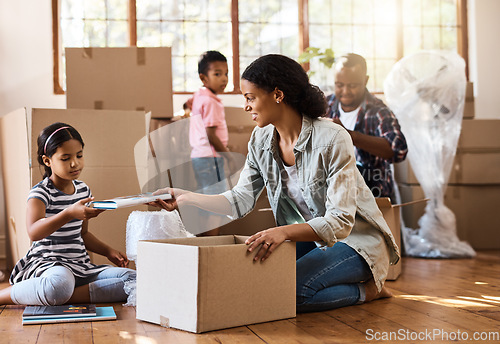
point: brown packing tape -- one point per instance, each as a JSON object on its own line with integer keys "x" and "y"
{"x": 140, "y": 108}
{"x": 141, "y": 56}
{"x": 98, "y": 105}
{"x": 87, "y": 53}
{"x": 164, "y": 321}
{"x": 412, "y": 202}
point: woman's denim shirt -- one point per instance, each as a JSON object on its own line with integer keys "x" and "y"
{"x": 331, "y": 186}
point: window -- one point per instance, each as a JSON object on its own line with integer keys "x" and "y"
{"x": 96, "y": 23}
{"x": 383, "y": 31}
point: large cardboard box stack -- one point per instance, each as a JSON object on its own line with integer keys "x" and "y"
{"x": 110, "y": 168}
{"x": 473, "y": 191}
{"x": 129, "y": 78}
{"x": 210, "y": 283}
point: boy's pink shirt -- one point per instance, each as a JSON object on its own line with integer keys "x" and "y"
{"x": 207, "y": 111}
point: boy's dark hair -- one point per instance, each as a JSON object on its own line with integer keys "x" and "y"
{"x": 208, "y": 57}
{"x": 277, "y": 71}
{"x": 351, "y": 60}
{"x": 52, "y": 137}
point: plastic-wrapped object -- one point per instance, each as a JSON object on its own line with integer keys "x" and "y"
{"x": 152, "y": 225}
{"x": 130, "y": 290}
{"x": 426, "y": 92}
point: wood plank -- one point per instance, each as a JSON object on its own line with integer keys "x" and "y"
{"x": 437, "y": 308}
{"x": 364, "y": 321}
{"x": 327, "y": 328}
{"x": 431, "y": 294}
{"x": 237, "y": 335}
{"x": 80, "y": 332}
{"x": 11, "y": 327}
{"x": 124, "y": 328}
{"x": 283, "y": 331}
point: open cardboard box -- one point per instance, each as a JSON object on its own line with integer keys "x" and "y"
{"x": 208, "y": 283}
{"x": 392, "y": 216}
{"x": 110, "y": 138}
{"x": 129, "y": 78}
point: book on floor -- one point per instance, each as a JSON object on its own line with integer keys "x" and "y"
{"x": 101, "y": 313}
{"x": 38, "y": 312}
{"x": 127, "y": 201}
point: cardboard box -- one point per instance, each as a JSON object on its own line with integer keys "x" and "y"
{"x": 469, "y": 91}
{"x": 469, "y": 112}
{"x": 210, "y": 283}
{"x": 480, "y": 134}
{"x": 469, "y": 109}
{"x": 477, "y": 160}
{"x": 240, "y": 127}
{"x": 474, "y": 207}
{"x": 110, "y": 138}
{"x": 260, "y": 218}
{"x": 129, "y": 78}
{"x": 469, "y": 167}
{"x": 392, "y": 217}
{"x": 411, "y": 215}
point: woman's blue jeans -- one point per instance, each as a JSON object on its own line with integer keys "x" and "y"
{"x": 329, "y": 278}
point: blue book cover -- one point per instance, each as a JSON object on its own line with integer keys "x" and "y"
{"x": 102, "y": 313}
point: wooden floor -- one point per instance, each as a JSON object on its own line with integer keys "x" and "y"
{"x": 436, "y": 301}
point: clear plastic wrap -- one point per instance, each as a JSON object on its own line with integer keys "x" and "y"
{"x": 426, "y": 92}
{"x": 152, "y": 225}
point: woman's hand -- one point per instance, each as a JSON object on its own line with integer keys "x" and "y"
{"x": 118, "y": 258}
{"x": 80, "y": 211}
{"x": 169, "y": 204}
{"x": 265, "y": 242}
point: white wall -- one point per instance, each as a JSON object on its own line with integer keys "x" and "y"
{"x": 26, "y": 55}
{"x": 484, "y": 50}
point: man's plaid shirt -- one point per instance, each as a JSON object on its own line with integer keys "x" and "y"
{"x": 375, "y": 119}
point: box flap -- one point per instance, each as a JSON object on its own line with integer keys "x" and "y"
{"x": 160, "y": 263}
{"x": 16, "y": 176}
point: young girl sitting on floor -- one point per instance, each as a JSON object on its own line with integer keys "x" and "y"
{"x": 57, "y": 267}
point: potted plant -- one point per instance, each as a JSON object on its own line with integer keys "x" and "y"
{"x": 320, "y": 65}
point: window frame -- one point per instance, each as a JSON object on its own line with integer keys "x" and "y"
{"x": 303, "y": 22}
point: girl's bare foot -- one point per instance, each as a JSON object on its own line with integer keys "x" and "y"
{"x": 372, "y": 293}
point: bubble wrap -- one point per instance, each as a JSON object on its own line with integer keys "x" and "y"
{"x": 152, "y": 225}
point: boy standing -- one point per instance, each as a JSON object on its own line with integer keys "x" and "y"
{"x": 208, "y": 132}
